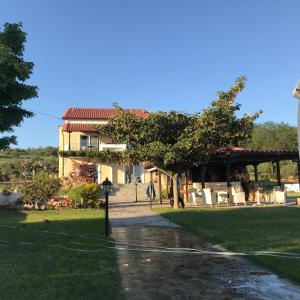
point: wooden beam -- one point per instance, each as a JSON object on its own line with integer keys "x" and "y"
{"x": 278, "y": 173}
{"x": 167, "y": 183}
{"x": 298, "y": 169}
{"x": 255, "y": 172}
{"x": 228, "y": 179}
{"x": 203, "y": 169}
{"x": 69, "y": 145}
{"x": 228, "y": 172}
{"x": 159, "y": 187}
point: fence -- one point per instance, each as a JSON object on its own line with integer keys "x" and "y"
{"x": 8, "y": 199}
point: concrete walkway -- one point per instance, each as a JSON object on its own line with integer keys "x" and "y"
{"x": 150, "y": 271}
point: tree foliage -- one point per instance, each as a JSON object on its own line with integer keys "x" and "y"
{"x": 42, "y": 188}
{"x": 14, "y": 71}
{"x": 218, "y": 126}
{"x": 271, "y": 135}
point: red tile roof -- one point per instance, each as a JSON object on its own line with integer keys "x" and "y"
{"x": 97, "y": 113}
{"x": 78, "y": 127}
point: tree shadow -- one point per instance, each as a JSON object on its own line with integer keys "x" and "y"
{"x": 48, "y": 255}
{"x": 11, "y": 217}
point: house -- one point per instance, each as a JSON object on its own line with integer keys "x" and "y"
{"x": 78, "y": 135}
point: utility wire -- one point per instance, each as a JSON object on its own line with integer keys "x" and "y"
{"x": 145, "y": 248}
{"x": 42, "y": 113}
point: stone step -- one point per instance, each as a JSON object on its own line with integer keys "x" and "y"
{"x": 127, "y": 191}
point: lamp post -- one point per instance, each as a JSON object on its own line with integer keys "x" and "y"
{"x": 135, "y": 182}
{"x": 106, "y": 185}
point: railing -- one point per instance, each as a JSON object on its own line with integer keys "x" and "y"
{"x": 93, "y": 147}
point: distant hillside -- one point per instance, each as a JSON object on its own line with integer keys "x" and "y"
{"x": 274, "y": 136}
{"x": 20, "y": 163}
{"x": 271, "y": 135}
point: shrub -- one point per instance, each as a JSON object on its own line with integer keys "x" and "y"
{"x": 43, "y": 187}
{"x": 90, "y": 193}
{"x": 74, "y": 195}
{"x": 86, "y": 195}
{"x": 165, "y": 193}
{"x": 5, "y": 190}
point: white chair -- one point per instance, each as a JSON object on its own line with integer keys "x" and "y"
{"x": 207, "y": 198}
{"x": 193, "y": 196}
{"x": 238, "y": 196}
{"x": 279, "y": 197}
{"x": 222, "y": 197}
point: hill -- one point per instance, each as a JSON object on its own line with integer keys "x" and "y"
{"x": 21, "y": 163}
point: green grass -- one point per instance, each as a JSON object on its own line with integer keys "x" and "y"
{"x": 45, "y": 270}
{"x": 248, "y": 229}
{"x": 293, "y": 195}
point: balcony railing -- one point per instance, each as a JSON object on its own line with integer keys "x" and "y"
{"x": 93, "y": 147}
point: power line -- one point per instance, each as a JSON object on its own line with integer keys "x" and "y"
{"x": 42, "y": 113}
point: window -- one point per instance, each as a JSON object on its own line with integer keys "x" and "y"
{"x": 94, "y": 141}
{"x": 84, "y": 141}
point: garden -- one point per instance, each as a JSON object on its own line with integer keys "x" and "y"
{"x": 49, "y": 192}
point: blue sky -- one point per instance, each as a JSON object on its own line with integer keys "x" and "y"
{"x": 157, "y": 55}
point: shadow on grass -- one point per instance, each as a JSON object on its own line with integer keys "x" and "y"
{"x": 56, "y": 254}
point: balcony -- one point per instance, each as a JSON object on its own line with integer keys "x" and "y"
{"x": 94, "y": 147}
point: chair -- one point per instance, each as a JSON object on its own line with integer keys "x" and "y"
{"x": 207, "y": 198}
{"x": 222, "y": 197}
{"x": 238, "y": 196}
{"x": 193, "y": 196}
{"x": 279, "y": 197}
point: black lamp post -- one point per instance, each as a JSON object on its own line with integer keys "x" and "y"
{"x": 106, "y": 184}
{"x": 135, "y": 182}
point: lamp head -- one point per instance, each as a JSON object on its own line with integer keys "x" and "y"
{"x": 106, "y": 184}
{"x": 296, "y": 92}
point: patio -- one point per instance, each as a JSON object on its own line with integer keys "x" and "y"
{"x": 225, "y": 180}
{"x": 219, "y": 194}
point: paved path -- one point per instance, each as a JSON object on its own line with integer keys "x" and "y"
{"x": 150, "y": 272}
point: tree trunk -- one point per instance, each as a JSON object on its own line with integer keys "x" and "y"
{"x": 175, "y": 190}
{"x": 159, "y": 187}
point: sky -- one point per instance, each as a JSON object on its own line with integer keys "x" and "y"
{"x": 157, "y": 55}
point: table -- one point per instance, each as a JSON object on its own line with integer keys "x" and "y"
{"x": 220, "y": 196}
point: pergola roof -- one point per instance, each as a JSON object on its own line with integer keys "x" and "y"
{"x": 254, "y": 156}
{"x": 247, "y": 156}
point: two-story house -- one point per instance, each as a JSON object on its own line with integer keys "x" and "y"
{"x": 78, "y": 133}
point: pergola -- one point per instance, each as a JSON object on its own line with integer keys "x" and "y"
{"x": 245, "y": 157}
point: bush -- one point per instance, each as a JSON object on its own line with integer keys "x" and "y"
{"x": 41, "y": 190}
{"x": 86, "y": 195}
{"x": 165, "y": 193}
{"x": 5, "y": 190}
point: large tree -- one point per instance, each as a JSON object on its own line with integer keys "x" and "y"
{"x": 175, "y": 141}
{"x": 14, "y": 71}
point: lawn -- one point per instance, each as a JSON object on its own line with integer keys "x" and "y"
{"x": 293, "y": 195}
{"x": 57, "y": 263}
{"x": 246, "y": 230}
